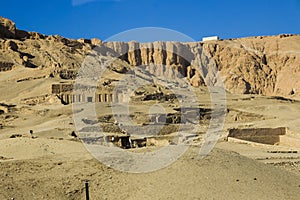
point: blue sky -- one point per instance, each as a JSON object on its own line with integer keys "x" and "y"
{"x": 104, "y": 18}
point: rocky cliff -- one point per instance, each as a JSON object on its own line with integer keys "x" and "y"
{"x": 267, "y": 65}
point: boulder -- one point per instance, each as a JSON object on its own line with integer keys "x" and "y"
{"x": 96, "y": 41}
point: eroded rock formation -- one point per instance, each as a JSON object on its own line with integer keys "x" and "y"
{"x": 267, "y": 65}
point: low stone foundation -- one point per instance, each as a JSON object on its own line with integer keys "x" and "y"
{"x": 259, "y": 135}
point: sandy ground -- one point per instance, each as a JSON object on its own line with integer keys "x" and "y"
{"x": 54, "y": 165}
{"x": 221, "y": 175}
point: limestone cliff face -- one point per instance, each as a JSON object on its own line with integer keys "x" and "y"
{"x": 267, "y": 65}
{"x": 171, "y": 54}
{"x": 257, "y": 65}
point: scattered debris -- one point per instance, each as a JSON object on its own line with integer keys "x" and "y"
{"x": 282, "y": 151}
{"x": 15, "y": 136}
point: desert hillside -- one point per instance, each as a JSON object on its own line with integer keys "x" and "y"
{"x": 255, "y": 65}
{"x": 43, "y": 154}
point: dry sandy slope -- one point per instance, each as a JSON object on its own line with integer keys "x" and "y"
{"x": 53, "y": 166}
{"x": 221, "y": 175}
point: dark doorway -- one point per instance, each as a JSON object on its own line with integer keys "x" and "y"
{"x": 90, "y": 99}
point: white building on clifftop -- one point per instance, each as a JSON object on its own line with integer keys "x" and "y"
{"x": 210, "y": 38}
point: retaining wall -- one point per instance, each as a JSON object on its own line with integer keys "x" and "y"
{"x": 259, "y": 135}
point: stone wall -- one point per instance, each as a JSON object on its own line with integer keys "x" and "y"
{"x": 65, "y": 92}
{"x": 61, "y": 87}
{"x": 259, "y": 135}
{"x": 68, "y": 98}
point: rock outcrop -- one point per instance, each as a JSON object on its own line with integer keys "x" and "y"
{"x": 7, "y": 28}
{"x": 256, "y": 65}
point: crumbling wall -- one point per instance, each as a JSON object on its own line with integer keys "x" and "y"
{"x": 69, "y": 74}
{"x": 61, "y": 87}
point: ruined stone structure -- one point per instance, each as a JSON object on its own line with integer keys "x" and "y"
{"x": 259, "y": 135}
{"x": 65, "y": 92}
{"x": 70, "y": 97}
{"x": 122, "y": 141}
{"x": 61, "y": 87}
